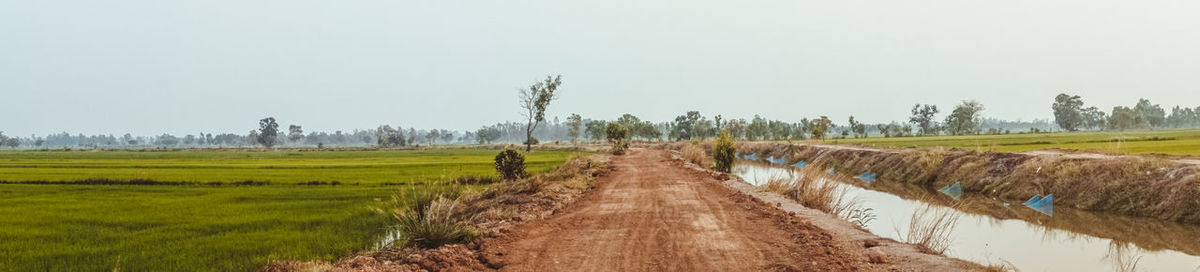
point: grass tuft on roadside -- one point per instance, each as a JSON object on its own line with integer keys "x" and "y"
{"x": 931, "y": 228}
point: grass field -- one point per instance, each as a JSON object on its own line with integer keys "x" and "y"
{"x": 347, "y": 167}
{"x": 202, "y": 227}
{"x": 1173, "y": 142}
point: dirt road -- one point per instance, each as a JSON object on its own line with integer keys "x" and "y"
{"x": 651, "y": 214}
{"x": 654, "y": 212}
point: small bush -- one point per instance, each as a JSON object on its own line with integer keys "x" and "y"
{"x": 723, "y": 153}
{"x": 618, "y": 135}
{"x": 510, "y": 164}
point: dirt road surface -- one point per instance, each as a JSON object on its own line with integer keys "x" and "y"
{"x": 650, "y": 215}
{"x": 653, "y": 214}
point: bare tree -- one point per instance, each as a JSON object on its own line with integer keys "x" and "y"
{"x": 534, "y": 102}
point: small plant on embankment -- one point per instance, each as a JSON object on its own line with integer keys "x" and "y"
{"x": 723, "y": 153}
{"x": 618, "y": 135}
{"x": 510, "y": 164}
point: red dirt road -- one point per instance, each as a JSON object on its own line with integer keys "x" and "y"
{"x": 652, "y": 214}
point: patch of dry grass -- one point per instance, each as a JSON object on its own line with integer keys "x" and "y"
{"x": 694, "y": 153}
{"x": 434, "y": 215}
{"x": 931, "y": 228}
{"x": 813, "y": 189}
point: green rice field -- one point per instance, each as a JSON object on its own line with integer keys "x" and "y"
{"x": 1172, "y": 142}
{"x": 204, "y": 227}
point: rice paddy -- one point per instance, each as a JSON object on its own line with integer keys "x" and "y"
{"x": 201, "y": 226}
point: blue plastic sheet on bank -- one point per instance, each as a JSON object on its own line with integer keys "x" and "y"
{"x": 1032, "y": 200}
{"x": 953, "y": 190}
{"x": 867, "y": 176}
{"x": 751, "y": 156}
{"x": 800, "y": 164}
{"x": 1044, "y": 205}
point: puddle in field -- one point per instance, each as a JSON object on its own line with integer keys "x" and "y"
{"x": 990, "y": 232}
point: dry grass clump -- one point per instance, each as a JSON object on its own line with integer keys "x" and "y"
{"x": 813, "y": 190}
{"x": 436, "y": 214}
{"x": 694, "y": 153}
{"x": 436, "y": 225}
{"x": 931, "y": 228}
{"x": 425, "y": 216}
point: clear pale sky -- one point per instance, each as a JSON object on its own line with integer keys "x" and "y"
{"x": 152, "y": 66}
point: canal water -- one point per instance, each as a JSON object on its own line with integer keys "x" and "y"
{"x": 991, "y": 231}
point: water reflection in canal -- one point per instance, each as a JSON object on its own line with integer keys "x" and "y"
{"x": 990, "y": 231}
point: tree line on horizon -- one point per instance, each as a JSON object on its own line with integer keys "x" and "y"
{"x": 965, "y": 119}
{"x": 1070, "y": 115}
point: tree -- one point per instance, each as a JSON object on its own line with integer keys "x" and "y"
{"x": 534, "y": 102}
{"x": 1068, "y": 111}
{"x": 922, "y": 117}
{"x": 386, "y": 136}
{"x": 295, "y": 133}
{"x": 780, "y": 130}
{"x": 595, "y": 130}
{"x": 432, "y": 136}
{"x": 723, "y": 153}
{"x": 1180, "y": 117}
{"x": 1195, "y": 116}
{"x": 736, "y": 128}
{"x": 704, "y": 129}
{"x": 1151, "y": 113}
{"x": 1093, "y": 118}
{"x": 268, "y": 132}
{"x": 965, "y": 118}
{"x": 1123, "y": 118}
{"x": 859, "y": 129}
{"x": 11, "y": 142}
{"x": 686, "y": 126}
{"x": 646, "y": 130}
{"x": 759, "y": 128}
{"x": 883, "y": 129}
{"x": 574, "y": 124}
{"x": 447, "y": 136}
{"x": 630, "y": 122}
{"x": 487, "y": 135}
{"x": 412, "y": 136}
{"x": 819, "y": 127}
